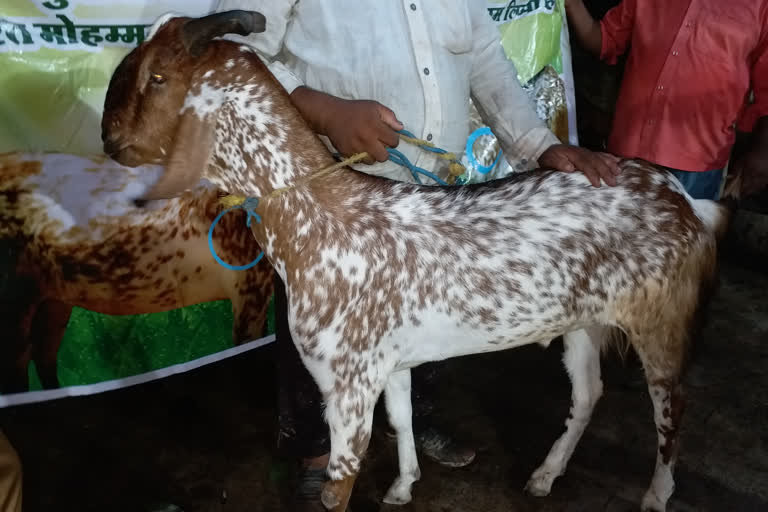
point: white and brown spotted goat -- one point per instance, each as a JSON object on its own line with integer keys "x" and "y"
{"x": 383, "y": 276}
{"x": 70, "y": 235}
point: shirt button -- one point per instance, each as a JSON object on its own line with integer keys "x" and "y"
{"x": 675, "y": 53}
{"x": 426, "y": 71}
{"x": 650, "y": 121}
{"x": 661, "y": 87}
{"x": 413, "y": 7}
{"x": 688, "y": 24}
{"x": 429, "y": 136}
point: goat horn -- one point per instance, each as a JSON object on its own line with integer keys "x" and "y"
{"x": 197, "y": 33}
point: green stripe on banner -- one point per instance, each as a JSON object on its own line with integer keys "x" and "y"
{"x": 100, "y": 347}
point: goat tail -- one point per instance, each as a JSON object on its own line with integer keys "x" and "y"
{"x": 614, "y": 338}
{"x": 715, "y": 216}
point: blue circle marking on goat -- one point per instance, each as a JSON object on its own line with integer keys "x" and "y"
{"x": 470, "y": 151}
{"x": 249, "y": 205}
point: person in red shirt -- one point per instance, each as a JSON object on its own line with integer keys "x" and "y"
{"x": 686, "y": 85}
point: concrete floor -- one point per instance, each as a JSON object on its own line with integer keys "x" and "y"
{"x": 205, "y": 441}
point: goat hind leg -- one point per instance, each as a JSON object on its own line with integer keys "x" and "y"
{"x": 668, "y": 405}
{"x": 582, "y": 361}
{"x": 398, "y": 400}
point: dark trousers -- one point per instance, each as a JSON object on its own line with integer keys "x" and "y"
{"x": 303, "y": 430}
{"x": 700, "y": 185}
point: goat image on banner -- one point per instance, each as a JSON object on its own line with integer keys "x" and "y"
{"x": 70, "y": 234}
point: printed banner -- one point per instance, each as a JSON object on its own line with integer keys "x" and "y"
{"x": 56, "y": 58}
{"x": 530, "y": 33}
{"x": 534, "y": 34}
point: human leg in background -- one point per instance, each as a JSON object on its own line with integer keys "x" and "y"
{"x": 432, "y": 441}
{"x": 701, "y": 185}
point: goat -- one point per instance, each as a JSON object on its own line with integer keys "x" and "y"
{"x": 76, "y": 239}
{"x": 382, "y": 276}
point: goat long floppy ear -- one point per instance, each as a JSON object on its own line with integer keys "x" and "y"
{"x": 190, "y": 155}
{"x": 197, "y": 33}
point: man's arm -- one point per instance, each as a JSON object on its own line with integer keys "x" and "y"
{"x": 584, "y": 26}
{"x": 608, "y": 38}
{"x": 753, "y": 165}
{"x": 498, "y": 96}
{"x": 352, "y": 126}
{"x": 504, "y": 105}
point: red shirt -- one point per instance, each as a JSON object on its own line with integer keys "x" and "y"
{"x": 687, "y": 78}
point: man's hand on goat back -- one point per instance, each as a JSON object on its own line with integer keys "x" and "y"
{"x": 352, "y": 126}
{"x": 595, "y": 166}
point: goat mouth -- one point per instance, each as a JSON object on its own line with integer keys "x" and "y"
{"x": 124, "y": 156}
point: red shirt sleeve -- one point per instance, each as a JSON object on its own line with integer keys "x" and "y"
{"x": 759, "y": 82}
{"x": 616, "y": 28}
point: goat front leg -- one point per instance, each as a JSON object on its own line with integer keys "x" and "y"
{"x": 350, "y": 417}
{"x": 48, "y": 329}
{"x": 397, "y": 395}
{"x": 15, "y": 344}
{"x": 582, "y": 360}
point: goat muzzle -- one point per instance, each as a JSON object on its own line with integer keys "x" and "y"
{"x": 112, "y": 147}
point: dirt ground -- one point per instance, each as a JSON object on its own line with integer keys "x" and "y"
{"x": 205, "y": 441}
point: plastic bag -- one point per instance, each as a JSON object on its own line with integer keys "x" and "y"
{"x": 534, "y": 35}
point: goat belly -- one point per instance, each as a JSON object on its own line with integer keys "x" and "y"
{"x": 476, "y": 269}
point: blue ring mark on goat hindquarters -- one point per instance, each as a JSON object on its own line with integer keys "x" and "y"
{"x": 249, "y": 205}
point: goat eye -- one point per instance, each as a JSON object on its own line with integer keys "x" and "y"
{"x": 157, "y": 78}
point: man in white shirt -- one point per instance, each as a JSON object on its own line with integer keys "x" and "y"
{"x": 361, "y": 70}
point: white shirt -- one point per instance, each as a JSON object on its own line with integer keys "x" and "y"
{"x": 421, "y": 58}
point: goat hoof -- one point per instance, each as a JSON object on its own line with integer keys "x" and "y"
{"x": 330, "y": 499}
{"x": 652, "y": 503}
{"x": 336, "y": 493}
{"x": 397, "y": 496}
{"x": 540, "y": 484}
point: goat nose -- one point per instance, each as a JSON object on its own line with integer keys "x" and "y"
{"x": 112, "y": 146}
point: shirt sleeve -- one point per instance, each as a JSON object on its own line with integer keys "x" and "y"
{"x": 759, "y": 82}
{"x": 268, "y": 44}
{"x": 616, "y": 29}
{"x": 499, "y": 97}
